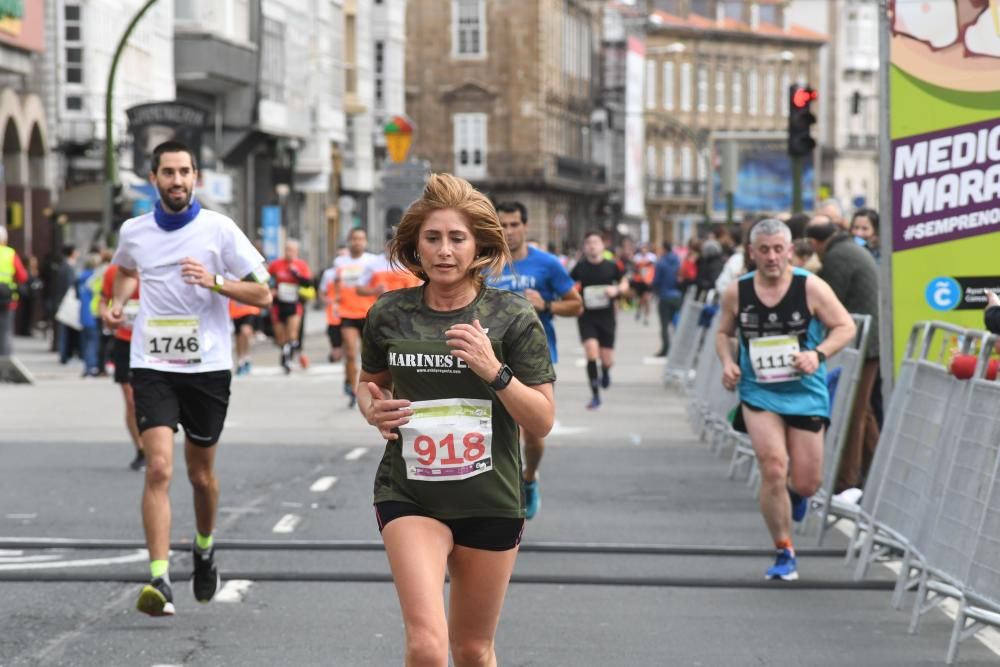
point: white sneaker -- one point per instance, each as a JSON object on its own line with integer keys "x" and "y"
{"x": 850, "y": 496}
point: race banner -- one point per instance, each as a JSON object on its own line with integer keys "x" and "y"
{"x": 943, "y": 161}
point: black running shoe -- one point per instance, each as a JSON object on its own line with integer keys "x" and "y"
{"x": 156, "y": 599}
{"x": 205, "y": 581}
{"x": 139, "y": 462}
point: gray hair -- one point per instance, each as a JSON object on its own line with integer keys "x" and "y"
{"x": 770, "y": 227}
{"x": 3, "y": 235}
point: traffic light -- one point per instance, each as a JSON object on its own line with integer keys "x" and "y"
{"x": 800, "y": 120}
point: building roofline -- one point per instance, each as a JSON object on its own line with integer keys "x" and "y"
{"x": 661, "y": 21}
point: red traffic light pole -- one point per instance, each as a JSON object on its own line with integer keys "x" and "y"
{"x": 800, "y": 143}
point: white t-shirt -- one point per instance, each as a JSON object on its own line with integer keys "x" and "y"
{"x": 351, "y": 271}
{"x": 172, "y": 313}
{"x": 377, "y": 264}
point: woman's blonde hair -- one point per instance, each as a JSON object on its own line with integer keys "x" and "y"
{"x": 447, "y": 192}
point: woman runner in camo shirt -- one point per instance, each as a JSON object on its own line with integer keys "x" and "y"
{"x": 450, "y": 371}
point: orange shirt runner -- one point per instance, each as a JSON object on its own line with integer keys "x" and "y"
{"x": 131, "y": 309}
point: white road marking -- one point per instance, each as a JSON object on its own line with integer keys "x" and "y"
{"x": 355, "y": 454}
{"x": 10, "y": 552}
{"x": 41, "y": 558}
{"x": 988, "y": 636}
{"x": 323, "y": 484}
{"x": 139, "y": 555}
{"x": 239, "y": 510}
{"x": 272, "y": 371}
{"x": 559, "y": 429}
{"x": 654, "y": 361}
{"x": 22, "y": 517}
{"x": 287, "y": 523}
{"x": 233, "y": 591}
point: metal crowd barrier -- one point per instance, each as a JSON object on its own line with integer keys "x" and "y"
{"x": 936, "y": 494}
{"x": 850, "y": 361}
{"x": 685, "y": 342}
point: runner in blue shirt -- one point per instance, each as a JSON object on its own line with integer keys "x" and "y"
{"x": 543, "y": 281}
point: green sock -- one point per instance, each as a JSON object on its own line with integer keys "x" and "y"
{"x": 160, "y": 568}
{"x": 204, "y": 543}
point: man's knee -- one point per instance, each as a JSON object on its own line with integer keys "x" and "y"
{"x": 773, "y": 468}
{"x": 201, "y": 477}
{"x": 159, "y": 470}
{"x": 806, "y": 482}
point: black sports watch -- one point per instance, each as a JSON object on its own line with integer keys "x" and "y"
{"x": 820, "y": 355}
{"x": 503, "y": 378}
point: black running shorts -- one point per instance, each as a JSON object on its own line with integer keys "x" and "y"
{"x": 121, "y": 353}
{"x": 280, "y": 312}
{"x": 599, "y": 325}
{"x": 486, "y": 533}
{"x": 335, "y": 335}
{"x": 353, "y": 322}
{"x": 196, "y": 401}
{"x": 246, "y": 320}
{"x": 813, "y": 424}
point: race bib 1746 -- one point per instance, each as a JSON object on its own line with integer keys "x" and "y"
{"x": 174, "y": 340}
{"x": 772, "y": 358}
{"x": 448, "y": 440}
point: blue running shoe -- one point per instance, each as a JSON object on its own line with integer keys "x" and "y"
{"x": 594, "y": 403}
{"x": 800, "y": 505}
{"x": 532, "y": 499}
{"x": 785, "y": 567}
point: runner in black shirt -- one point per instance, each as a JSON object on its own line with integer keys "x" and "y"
{"x": 601, "y": 282}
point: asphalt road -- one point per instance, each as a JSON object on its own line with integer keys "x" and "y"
{"x": 628, "y": 474}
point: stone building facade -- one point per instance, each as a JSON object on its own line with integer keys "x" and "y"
{"x": 502, "y": 93}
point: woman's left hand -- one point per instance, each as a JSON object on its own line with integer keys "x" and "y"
{"x": 471, "y": 344}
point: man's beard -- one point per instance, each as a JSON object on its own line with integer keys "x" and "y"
{"x": 167, "y": 201}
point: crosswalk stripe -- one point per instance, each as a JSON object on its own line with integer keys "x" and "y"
{"x": 287, "y": 523}
{"x": 323, "y": 484}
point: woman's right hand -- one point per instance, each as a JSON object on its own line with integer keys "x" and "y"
{"x": 386, "y": 414}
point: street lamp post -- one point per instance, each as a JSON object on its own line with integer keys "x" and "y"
{"x": 110, "y": 177}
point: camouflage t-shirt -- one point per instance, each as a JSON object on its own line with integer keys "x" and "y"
{"x": 403, "y": 335}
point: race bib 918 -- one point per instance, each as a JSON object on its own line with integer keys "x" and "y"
{"x": 174, "y": 340}
{"x": 772, "y": 358}
{"x": 448, "y": 440}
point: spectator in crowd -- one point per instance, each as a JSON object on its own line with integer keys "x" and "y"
{"x": 802, "y": 252}
{"x": 90, "y": 331}
{"x": 710, "y": 263}
{"x": 667, "y": 290}
{"x": 992, "y": 313}
{"x": 30, "y": 309}
{"x": 853, "y": 275}
{"x": 864, "y": 226}
{"x": 12, "y": 274}
{"x": 832, "y": 209}
{"x": 65, "y": 280}
{"x": 689, "y": 266}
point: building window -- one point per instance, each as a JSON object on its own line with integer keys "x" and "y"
{"x": 737, "y": 87}
{"x": 769, "y": 13}
{"x": 720, "y": 91}
{"x": 770, "y": 94}
{"x": 650, "y": 162}
{"x": 272, "y": 66}
{"x": 701, "y": 8}
{"x": 668, "y": 86}
{"x": 686, "y": 172}
{"x": 650, "y": 84}
{"x": 470, "y": 145}
{"x": 702, "y": 88}
{"x": 468, "y": 28}
{"x": 668, "y": 163}
{"x": 379, "y": 74}
{"x": 685, "y": 86}
{"x": 73, "y": 54}
{"x": 753, "y": 93}
{"x": 734, "y": 9}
